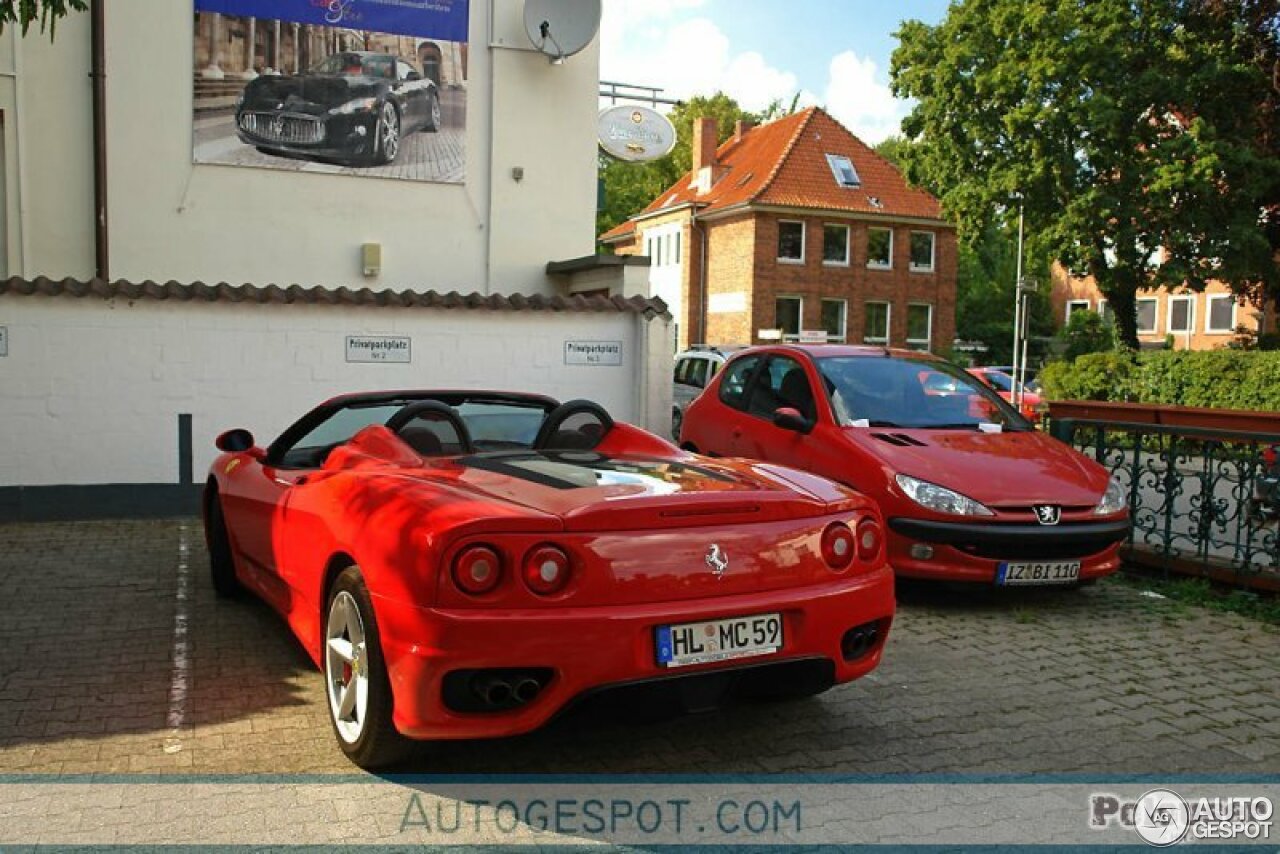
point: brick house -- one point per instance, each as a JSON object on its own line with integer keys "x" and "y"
{"x": 1197, "y": 321}
{"x": 794, "y": 229}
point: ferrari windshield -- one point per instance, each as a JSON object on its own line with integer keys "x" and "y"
{"x": 874, "y": 391}
{"x": 492, "y": 423}
{"x": 357, "y": 65}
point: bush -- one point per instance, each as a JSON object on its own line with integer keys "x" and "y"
{"x": 1096, "y": 376}
{"x": 1218, "y": 379}
{"x": 1086, "y": 332}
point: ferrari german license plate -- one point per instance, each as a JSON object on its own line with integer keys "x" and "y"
{"x": 1048, "y": 572}
{"x": 719, "y": 640}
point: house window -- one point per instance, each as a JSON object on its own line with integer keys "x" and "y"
{"x": 880, "y": 248}
{"x": 1074, "y": 305}
{"x": 1146, "y": 315}
{"x": 833, "y": 319}
{"x": 919, "y": 326}
{"x": 1221, "y": 314}
{"x": 1181, "y": 310}
{"x": 875, "y": 328}
{"x": 1104, "y": 310}
{"x": 922, "y": 251}
{"x": 835, "y": 245}
{"x": 842, "y": 169}
{"x": 787, "y": 312}
{"x": 790, "y": 241}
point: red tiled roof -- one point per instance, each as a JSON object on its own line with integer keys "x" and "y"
{"x": 296, "y": 294}
{"x": 784, "y": 163}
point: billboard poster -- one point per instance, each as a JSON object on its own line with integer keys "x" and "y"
{"x": 356, "y": 87}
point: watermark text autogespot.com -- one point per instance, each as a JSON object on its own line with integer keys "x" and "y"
{"x": 603, "y": 816}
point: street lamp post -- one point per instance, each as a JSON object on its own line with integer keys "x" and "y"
{"x": 1019, "y": 302}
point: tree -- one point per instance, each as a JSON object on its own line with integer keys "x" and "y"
{"x": 1086, "y": 332}
{"x": 47, "y": 12}
{"x": 629, "y": 187}
{"x": 1129, "y": 132}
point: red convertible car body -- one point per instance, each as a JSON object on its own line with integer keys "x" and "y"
{"x": 970, "y": 491}
{"x": 468, "y": 564}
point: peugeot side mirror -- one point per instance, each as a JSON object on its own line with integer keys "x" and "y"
{"x": 235, "y": 441}
{"x": 787, "y": 418}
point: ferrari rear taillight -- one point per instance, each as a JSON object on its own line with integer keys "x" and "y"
{"x": 477, "y": 570}
{"x": 870, "y": 540}
{"x": 837, "y": 546}
{"x": 547, "y": 570}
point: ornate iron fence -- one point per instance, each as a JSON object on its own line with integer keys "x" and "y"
{"x": 1193, "y": 478}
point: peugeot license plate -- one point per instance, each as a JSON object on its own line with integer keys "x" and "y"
{"x": 1038, "y": 572}
{"x": 719, "y": 640}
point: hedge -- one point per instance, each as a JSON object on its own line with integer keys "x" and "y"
{"x": 1220, "y": 379}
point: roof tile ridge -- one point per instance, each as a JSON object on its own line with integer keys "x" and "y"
{"x": 786, "y": 154}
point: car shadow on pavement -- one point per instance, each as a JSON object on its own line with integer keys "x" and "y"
{"x": 116, "y": 635}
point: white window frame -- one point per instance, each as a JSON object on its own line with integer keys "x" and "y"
{"x": 804, "y": 235}
{"x": 1073, "y": 303}
{"x": 799, "y": 316}
{"x": 1191, "y": 315}
{"x": 1155, "y": 314}
{"x": 834, "y": 161}
{"x": 876, "y": 265}
{"x": 933, "y": 253}
{"x": 888, "y": 322}
{"x": 927, "y": 342}
{"x": 847, "y": 238}
{"x": 1208, "y": 314}
{"x": 844, "y": 319}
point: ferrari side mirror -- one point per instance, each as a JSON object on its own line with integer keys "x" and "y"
{"x": 787, "y": 418}
{"x": 235, "y": 441}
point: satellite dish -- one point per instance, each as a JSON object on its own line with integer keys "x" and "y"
{"x": 561, "y": 28}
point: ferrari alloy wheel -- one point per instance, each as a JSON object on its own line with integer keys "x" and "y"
{"x": 389, "y": 133}
{"x": 433, "y": 113}
{"x": 355, "y": 676}
{"x": 222, "y": 569}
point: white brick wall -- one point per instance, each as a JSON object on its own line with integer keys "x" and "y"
{"x": 91, "y": 390}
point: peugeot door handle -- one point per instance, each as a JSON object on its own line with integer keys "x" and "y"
{"x": 737, "y": 432}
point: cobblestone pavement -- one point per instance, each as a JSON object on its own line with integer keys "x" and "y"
{"x": 1100, "y": 680}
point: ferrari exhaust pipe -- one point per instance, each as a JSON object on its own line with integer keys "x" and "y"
{"x": 494, "y": 691}
{"x": 526, "y": 690}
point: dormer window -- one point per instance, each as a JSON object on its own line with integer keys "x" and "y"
{"x": 842, "y": 169}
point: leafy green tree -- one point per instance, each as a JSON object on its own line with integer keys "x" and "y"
{"x": 986, "y": 278}
{"x": 1129, "y": 131}
{"x": 47, "y": 12}
{"x": 1086, "y": 332}
{"x": 629, "y": 187}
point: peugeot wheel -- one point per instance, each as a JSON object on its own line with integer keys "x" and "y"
{"x": 355, "y": 676}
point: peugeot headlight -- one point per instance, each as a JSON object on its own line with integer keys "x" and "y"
{"x": 1113, "y": 500}
{"x": 941, "y": 499}
{"x": 359, "y": 105}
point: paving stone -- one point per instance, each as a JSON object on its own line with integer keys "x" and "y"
{"x": 1037, "y": 681}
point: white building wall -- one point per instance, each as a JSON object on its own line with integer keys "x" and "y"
{"x": 94, "y": 387}
{"x": 171, "y": 219}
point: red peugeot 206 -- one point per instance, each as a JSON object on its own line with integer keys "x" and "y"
{"x": 970, "y": 491}
{"x": 467, "y": 564}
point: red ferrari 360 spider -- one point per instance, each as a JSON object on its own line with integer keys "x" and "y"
{"x": 467, "y": 564}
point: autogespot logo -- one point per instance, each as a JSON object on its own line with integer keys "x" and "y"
{"x": 1161, "y": 818}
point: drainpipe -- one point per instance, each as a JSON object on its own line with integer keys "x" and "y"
{"x": 102, "y": 259}
{"x": 702, "y": 276}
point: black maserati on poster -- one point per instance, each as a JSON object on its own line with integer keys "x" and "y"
{"x": 355, "y": 107}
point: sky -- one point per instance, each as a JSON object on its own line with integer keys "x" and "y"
{"x": 834, "y": 53}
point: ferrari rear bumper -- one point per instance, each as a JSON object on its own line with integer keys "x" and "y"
{"x": 576, "y": 652}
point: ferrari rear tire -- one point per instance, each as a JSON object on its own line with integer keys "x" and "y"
{"x": 357, "y": 689}
{"x": 222, "y": 568}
